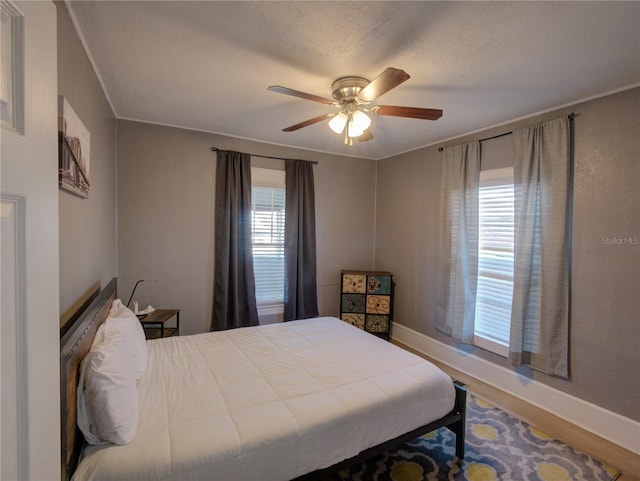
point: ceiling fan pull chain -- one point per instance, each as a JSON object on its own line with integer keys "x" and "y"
{"x": 348, "y": 140}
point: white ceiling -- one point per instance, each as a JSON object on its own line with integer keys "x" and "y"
{"x": 206, "y": 65}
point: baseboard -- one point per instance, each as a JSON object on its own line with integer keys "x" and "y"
{"x": 613, "y": 427}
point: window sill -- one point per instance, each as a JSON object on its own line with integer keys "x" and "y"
{"x": 492, "y": 346}
{"x": 269, "y": 313}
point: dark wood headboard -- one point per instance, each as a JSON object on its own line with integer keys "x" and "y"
{"x": 74, "y": 345}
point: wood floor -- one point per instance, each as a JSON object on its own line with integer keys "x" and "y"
{"x": 607, "y": 452}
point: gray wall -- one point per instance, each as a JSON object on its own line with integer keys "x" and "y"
{"x": 166, "y": 179}
{"x": 605, "y": 310}
{"x": 87, "y": 226}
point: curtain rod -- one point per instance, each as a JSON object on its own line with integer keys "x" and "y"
{"x": 315, "y": 162}
{"x": 571, "y": 117}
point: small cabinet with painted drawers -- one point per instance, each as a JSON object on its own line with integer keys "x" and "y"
{"x": 367, "y": 301}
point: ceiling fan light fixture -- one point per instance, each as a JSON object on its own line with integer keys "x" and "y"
{"x": 359, "y": 123}
{"x": 338, "y": 122}
{"x": 355, "y": 132}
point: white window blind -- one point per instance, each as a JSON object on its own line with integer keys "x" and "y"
{"x": 495, "y": 260}
{"x": 267, "y": 228}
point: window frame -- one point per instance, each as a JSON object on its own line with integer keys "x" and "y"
{"x": 273, "y": 179}
{"x": 492, "y": 178}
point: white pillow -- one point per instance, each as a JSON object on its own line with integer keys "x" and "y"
{"x": 124, "y": 320}
{"x": 107, "y": 391}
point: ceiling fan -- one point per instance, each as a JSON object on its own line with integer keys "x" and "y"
{"x": 353, "y": 96}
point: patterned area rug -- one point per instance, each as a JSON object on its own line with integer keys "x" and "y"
{"x": 498, "y": 447}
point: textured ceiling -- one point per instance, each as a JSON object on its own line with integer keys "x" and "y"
{"x": 206, "y": 65}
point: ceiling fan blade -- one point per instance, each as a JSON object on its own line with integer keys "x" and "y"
{"x": 366, "y": 135}
{"x": 308, "y": 122}
{"x": 303, "y": 95}
{"x": 411, "y": 112}
{"x": 390, "y": 78}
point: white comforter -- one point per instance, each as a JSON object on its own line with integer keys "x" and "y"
{"x": 270, "y": 403}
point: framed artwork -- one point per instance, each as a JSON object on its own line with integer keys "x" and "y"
{"x": 74, "y": 143}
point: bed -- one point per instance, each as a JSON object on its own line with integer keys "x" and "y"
{"x": 296, "y": 400}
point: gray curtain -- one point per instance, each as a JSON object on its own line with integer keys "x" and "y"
{"x": 234, "y": 298}
{"x": 540, "y": 313}
{"x": 458, "y": 254}
{"x": 301, "y": 297}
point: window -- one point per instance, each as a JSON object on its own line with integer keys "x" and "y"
{"x": 495, "y": 260}
{"x": 267, "y": 230}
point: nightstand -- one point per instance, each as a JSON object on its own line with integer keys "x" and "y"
{"x": 154, "y": 323}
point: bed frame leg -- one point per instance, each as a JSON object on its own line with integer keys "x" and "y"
{"x": 458, "y": 427}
